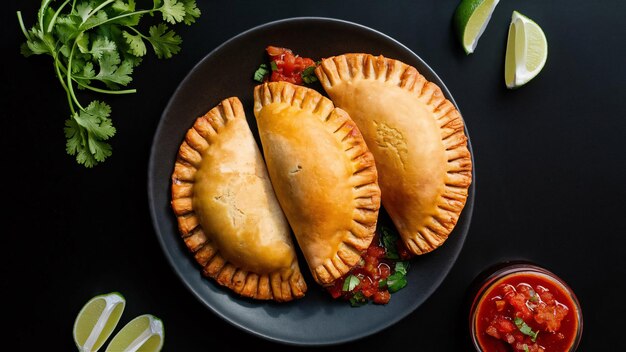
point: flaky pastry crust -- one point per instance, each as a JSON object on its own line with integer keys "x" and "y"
{"x": 323, "y": 174}
{"x": 227, "y": 211}
{"x": 417, "y": 138}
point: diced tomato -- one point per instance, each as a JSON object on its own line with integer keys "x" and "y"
{"x": 550, "y": 316}
{"x": 492, "y": 331}
{"x": 337, "y": 289}
{"x": 518, "y": 301}
{"x": 504, "y": 325}
{"x": 382, "y": 297}
{"x": 288, "y": 67}
{"x": 384, "y": 270}
{"x": 376, "y": 251}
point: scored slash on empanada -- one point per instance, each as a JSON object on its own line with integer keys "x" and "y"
{"x": 227, "y": 212}
{"x": 417, "y": 138}
{"x": 323, "y": 174}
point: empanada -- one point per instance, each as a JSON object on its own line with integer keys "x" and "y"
{"x": 417, "y": 138}
{"x": 227, "y": 211}
{"x": 323, "y": 174}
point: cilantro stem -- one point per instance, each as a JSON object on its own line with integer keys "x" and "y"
{"x": 136, "y": 31}
{"x": 105, "y": 91}
{"x": 104, "y": 4}
{"x": 19, "y": 19}
{"x": 57, "y": 63}
{"x": 42, "y": 13}
{"x": 126, "y": 15}
{"x": 69, "y": 73}
{"x": 56, "y": 14}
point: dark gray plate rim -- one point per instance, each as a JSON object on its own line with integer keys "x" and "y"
{"x": 315, "y": 319}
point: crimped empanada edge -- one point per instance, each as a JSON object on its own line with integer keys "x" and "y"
{"x": 280, "y": 287}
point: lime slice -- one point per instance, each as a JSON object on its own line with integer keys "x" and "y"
{"x": 470, "y": 19}
{"x": 97, "y": 320}
{"x": 526, "y": 51}
{"x": 144, "y": 333}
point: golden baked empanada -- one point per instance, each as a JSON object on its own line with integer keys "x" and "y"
{"x": 417, "y": 138}
{"x": 323, "y": 174}
{"x": 227, "y": 211}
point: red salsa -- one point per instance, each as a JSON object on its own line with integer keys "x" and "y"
{"x": 529, "y": 312}
{"x": 286, "y": 66}
{"x": 381, "y": 272}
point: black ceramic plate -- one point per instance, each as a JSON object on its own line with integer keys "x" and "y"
{"x": 227, "y": 71}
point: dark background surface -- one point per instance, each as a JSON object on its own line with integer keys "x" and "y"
{"x": 549, "y": 161}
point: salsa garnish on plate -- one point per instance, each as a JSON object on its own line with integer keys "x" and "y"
{"x": 381, "y": 272}
{"x": 526, "y": 312}
{"x": 286, "y": 66}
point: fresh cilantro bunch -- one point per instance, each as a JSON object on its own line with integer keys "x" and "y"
{"x": 95, "y": 45}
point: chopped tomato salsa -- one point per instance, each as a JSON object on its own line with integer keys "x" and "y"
{"x": 526, "y": 312}
{"x": 286, "y": 66}
{"x": 380, "y": 273}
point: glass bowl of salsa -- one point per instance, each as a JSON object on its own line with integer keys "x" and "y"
{"x": 520, "y": 306}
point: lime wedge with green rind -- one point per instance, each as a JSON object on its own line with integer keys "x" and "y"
{"x": 526, "y": 51}
{"x": 470, "y": 20}
{"x": 145, "y": 333}
{"x": 96, "y": 321}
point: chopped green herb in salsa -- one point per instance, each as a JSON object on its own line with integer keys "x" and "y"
{"x": 381, "y": 272}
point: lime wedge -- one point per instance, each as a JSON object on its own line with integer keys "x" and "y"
{"x": 526, "y": 51}
{"x": 470, "y": 19}
{"x": 96, "y": 321}
{"x": 144, "y": 333}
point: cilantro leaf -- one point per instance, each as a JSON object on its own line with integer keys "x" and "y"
{"x": 85, "y": 76}
{"x": 94, "y": 20}
{"x": 66, "y": 28}
{"x": 135, "y": 43}
{"x": 191, "y": 11}
{"x": 112, "y": 72}
{"x": 358, "y": 299}
{"x": 259, "y": 74}
{"x": 308, "y": 75}
{"x": 95, "y": 119}
{"x": 173, "y": 11}
{"x": 39, "y": 43}
{"x": 122, "y": 7}
{"x": 389, "y": 239}
{"x": 74, "y": 143}
{"x": 127, "y": 9}
{"x": 85, "y": 133}
{"x": 82, "y": 10}
{"x": 525, "y": 329}
{"x": 350, "y": 283}
{"x": 165, "y": 43}
{"x": 82, "y": 43}
{"x": 395, "y": 282}
{"x": 402, "y": 267}
{"x": 102, "y": 45}
{"x": 100, "y": 150}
